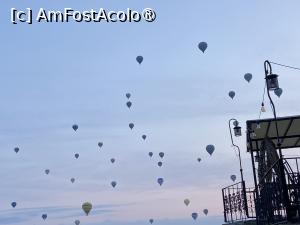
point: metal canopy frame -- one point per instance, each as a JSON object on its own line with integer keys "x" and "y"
{"x": 289, "y": 132}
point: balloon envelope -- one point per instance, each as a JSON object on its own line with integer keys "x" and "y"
{"x": 159, "y": 164}
{"x": 278, "y": 92}
{"x": 13, "y": 204}
{"x": 248, "y": 77}
{"x": 44, "y": 216}
{"x": 205, "y": 211}
{"x": 76, "y": 155}
{"x": 160, "y": 181}
{"x": 161, "y": 154}
{"x": 233, "y": 177}
{"x": 77, "y": 222}
{"x": 113, "y": 184}
{"x": 199, "y": 159}
{"x": 139, "y": 59}
{"x": 75, "y": 127}
{"x": 112, "y": 160}
{"x": 47, "y": 171}
{"x": 131, "y": 125}
{"x": 151, "y": 221}
{"x": 128, "y": 104}
{"x": 194, "y": 215}
{"x": 100, "y": 144}
{"x": 210, "y": 149}
{"x": 150, "y": 154}
{"x": 16, "y": 149}
{"x": 231, "y": 94}
{"x": 128, "y": 95}
{"x": 144, "y": 137}
{"x": 202, "y": 46}
{"x": 86, "y": 207}
{"x": 186, "y": 202}
{"x": 72, "y": 180}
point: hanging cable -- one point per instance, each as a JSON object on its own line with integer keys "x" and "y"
{"x": 279, "y": 64}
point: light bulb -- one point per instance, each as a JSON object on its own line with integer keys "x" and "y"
{"x": 263, "y": 109}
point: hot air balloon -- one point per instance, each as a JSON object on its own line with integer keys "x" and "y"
{"x": 202, "y": 46}
{"x": 233, "y": 177}
{"x": 86, "y": 207}
{"x": 139, "y": 59}
{"x": 100, "y": 144}
{"x": 131, "y": 125}
{"x": 44, "y": 216}
{"x": 186, "y": 202}
{"x": 151, "y": 221}
{"x": 113, "y": 184}
{"x": 112, "y": 160}
{"x": 160, "y": 181}
{"x": 194, "y": 215}
{"x": 128, "y": 104}
{"x": 210, "y": 149}
{"x": 47, "y": 171}
{"x": 77, "y": 222}
{"x": 199, "y": 159}
{"x": 278, "y": 92}
{"x": 248, "y": 77}
{"x": 231, "y": 94}
{"x": 205, "y": 211}
{"x": 76, "y": 155}
{"x": 128, "y": 95}
{"x": 160, "y": 164}
{"x": 13, "y": 204}
{"x": 16, "y": 149}
{"x": 72, "y": 180}
{"x": 150, "y": 154}
{"x": 161, "y": 154}
{"x": 144, "y": 136}
{"x": 75, "y": 127}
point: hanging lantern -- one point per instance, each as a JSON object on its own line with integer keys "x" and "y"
{"x": 272, "y": 82}
{"x": 237, "y": 131}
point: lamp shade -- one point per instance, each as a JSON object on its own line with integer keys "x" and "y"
{"x": 237, "y": 131}
{"x": 272, "y": 82}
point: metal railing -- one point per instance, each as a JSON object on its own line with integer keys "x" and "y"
{"x": 238, "y": 203}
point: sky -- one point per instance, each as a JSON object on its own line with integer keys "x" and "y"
{"x": 54, "y": 75}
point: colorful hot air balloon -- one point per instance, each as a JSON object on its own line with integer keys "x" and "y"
{"x": 210, "y": 149}
{"x": 72, "y": 180}
{"x": 202, "y": 46}
{"x": 139, "y": 59}
{"x": 47, "y": 171}
{"x": 199, "y": 159}
{"x": 151, "y": 221}
{"x": 144, "y": 136}
{"x": 13, "y": 204}
{"x": 76, "y": 155}
{"x": 194, "y": 215}
{"x": 128, "y": 95}
{"x": 113, "y": 184}
{"x": 100, "y": 144}
{"x": 160, "y": 164}
{"x": 16, "y": 149}
{"x": 186, "y": 202}
{"x": 150, "y": 154}
{"x": 233, "y": 177}
{"x": 278, "y": 92}
{"x": 75, "y": 127}
{"x": 248, "y": 77}
{"x": 87, "y": 207}
{"x": 77, "y": 222}
{"x": 161, "y": 154}
{"x": 205, "y": 211}
{"x": 160, "y": 181}
{"x": 129, "y": 104}
{"x": 44, "y": 216}
{"x": 131, "y": 125}
{"x": 112, "y": 160}
{"x": 231, "y": 94}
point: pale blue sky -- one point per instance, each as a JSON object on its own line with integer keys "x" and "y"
{"x": 55, "y": 75}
